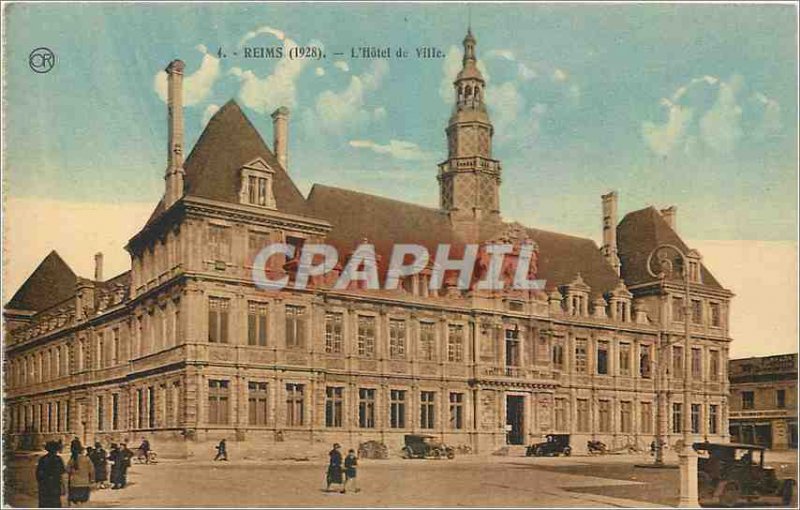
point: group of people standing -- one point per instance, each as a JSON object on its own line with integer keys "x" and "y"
{"x": 339, "y": 468}
{"x": 86, "y": 468}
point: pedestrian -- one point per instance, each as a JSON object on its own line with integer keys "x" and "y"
{"x": 350, "y": 463}
{"x": 50, "y": 477}
{"x": 334, "y": 467}
{"x": 222, "y": 452}
{"x": 100, "y": 461}
{"x": 74, "y": 445}
{"x": 144, "y": 451}
{"x": 116, "y": 465}
{"x": 125, "y": 462}
{"x": 81, "y": 476}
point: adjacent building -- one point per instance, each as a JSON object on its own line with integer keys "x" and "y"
{"x": 184, "y": 348}
{"x": 763, "y": 401}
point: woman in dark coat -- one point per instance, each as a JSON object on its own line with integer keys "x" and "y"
{"x": 334, "y": 467}
{"x": 49, "y": 475}
{"x": 100, "y": 461}
{"x": 116, "y": 465}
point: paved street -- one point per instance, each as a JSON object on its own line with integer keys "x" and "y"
{"x": 465, "y": 481}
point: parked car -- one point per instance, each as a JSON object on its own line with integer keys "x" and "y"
{"x": 556, "y": 444}
{"x": 373, "y": 450}
{"x": 421, "y": 446}
{"x": 729, "y": 474}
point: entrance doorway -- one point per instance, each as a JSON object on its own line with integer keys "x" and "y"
{"x": 515, "y": 416}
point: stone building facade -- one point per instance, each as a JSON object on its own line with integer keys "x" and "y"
{"x": 184, "y": 348}
{"x": 763, "y": 401}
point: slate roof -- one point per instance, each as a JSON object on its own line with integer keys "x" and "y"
{"x": 228, "y": 142}
{"x": 52, "y": 282}
{"x": 384, "y": 222}
{"x": 638, "y": 234}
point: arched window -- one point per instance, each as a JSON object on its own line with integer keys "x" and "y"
{"x": 477, "y": 93}
{"x": 469, "y": 91}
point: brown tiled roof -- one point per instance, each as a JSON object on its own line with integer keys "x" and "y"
{"x": 638, "y": 234}
{"x": 52, "y": 282}
{"x": 228, "y": 142}
{"x": 384, "y": 222}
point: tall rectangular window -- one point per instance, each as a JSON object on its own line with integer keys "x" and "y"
{"x": 583, "y": 415}
{"x": 427, "y": 341}
{"x": 713, "y": 419}
{"x": 677, "y": 309}
{"x": 455, "y": 343}
{"x": 697, "y": 311}
{"x": 695, "y": 418}
{"x": 101, "y": 351}
{"x": 256, "y": 323}
{"x": 646, "y": 417}
{"x": 558, "y": 354}
{"x": 256, "y": 241}
{"x": 101, "y": 413}
{"x": 677, "y": 418}
{"x": 218, "y": 320}
{"x": 366, "y": 408}
{"x": 427, "y": 410}
{"x": 602, "y": 358}
{"x": 141, "y": 410}
{"x": 624, "y": 359}
{"x": 334, "y": 401}
{"x": 561, "y": 414}
{"x": 333, "y": 333}
{"x": 397, "y": 409}
{"x": 397, "y": 339}
{"x": 151, "y": 412}
{"x": 644, "y": 361}
{"x": 748, "y": 400}
{"x": 697, "y": 363}
{"x": 115, "y": 347}
{"x": 716, "y": 314}
{"x": 713, "y": 365}
{"x": 366, "y": 336}
{"x": 625, "y": 417}
{"x": 581, "y": 365}
{"x": 604, "y": 415}
{"x": 257, "y": 402}
{"x": 295, "y": 405}
{"x": 780, "y": 399}
{"x": 115, "y": 411}
{"x": 677, "y": 361}
{"x": 456, "y": 411}
{"x": 218, "y": 399}
{"x": 512, "y": 348}
{"x": 295, "y": 326}
{"x": 219, "y": 243}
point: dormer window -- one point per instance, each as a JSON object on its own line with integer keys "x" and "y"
{"x": 693, "y": 262}
{"x": 256, "y": 184}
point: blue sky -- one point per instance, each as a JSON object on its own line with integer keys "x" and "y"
{"x": 668, "y": 104}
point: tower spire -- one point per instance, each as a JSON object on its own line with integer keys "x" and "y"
{"x": 469, "y": 180}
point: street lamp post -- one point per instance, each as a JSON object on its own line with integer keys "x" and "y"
{"x": 687, "y": 455}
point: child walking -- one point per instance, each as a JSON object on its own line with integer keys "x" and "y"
{"x": 350, "y": 467}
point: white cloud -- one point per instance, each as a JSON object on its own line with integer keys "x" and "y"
{"x": 395, "y": 148}
{"x": 513, "y": 121}
{"x": 559, "y": 75}
{"x": 502, "y": 53}
{"x": 342, "y": 65}
{"x": 770, "y": 116}
{"x": 262, "y": 30}
{"x": 525, "y": 73}
{"x": 319, "y": 71}
{"x": 209, "y": 112}
{"x": 663, "y": 138}
{"x": 197, "y": 85}
{"x": 337, "y": 110}
{"x": 277, "y": 89}
{"x": 721, "y": 127}
{"x": 450, "y": 68}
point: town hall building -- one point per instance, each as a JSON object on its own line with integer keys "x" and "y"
{"x": 185, "y": 349}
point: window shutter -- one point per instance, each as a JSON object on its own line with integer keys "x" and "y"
{"x": 262, "y": 330}
{"x": 212, "y": 326}
{"x": 301, "y": 332}
{"x": 223, "y": 334}
{"x": 290, "y": 332}
{"x": 251, "y": 329}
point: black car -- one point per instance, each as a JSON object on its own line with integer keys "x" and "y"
{"x": 423, "y": 446}
{"x": 556, "y": 444}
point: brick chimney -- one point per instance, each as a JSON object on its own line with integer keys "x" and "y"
{"x": 609, "y": 248}
{"x": 98, "y": 267}
{"x": 280, "y": 132}
{"x": 174, "y": 174}
{"x": 670, "y": 215}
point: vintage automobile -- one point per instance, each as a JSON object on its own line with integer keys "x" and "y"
{"x": 419, "y": 446}
{"x": 555, "y": 445}
{"x": 729, "y": 474}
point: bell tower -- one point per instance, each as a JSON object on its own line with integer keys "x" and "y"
{"x": 469, "y": 180}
